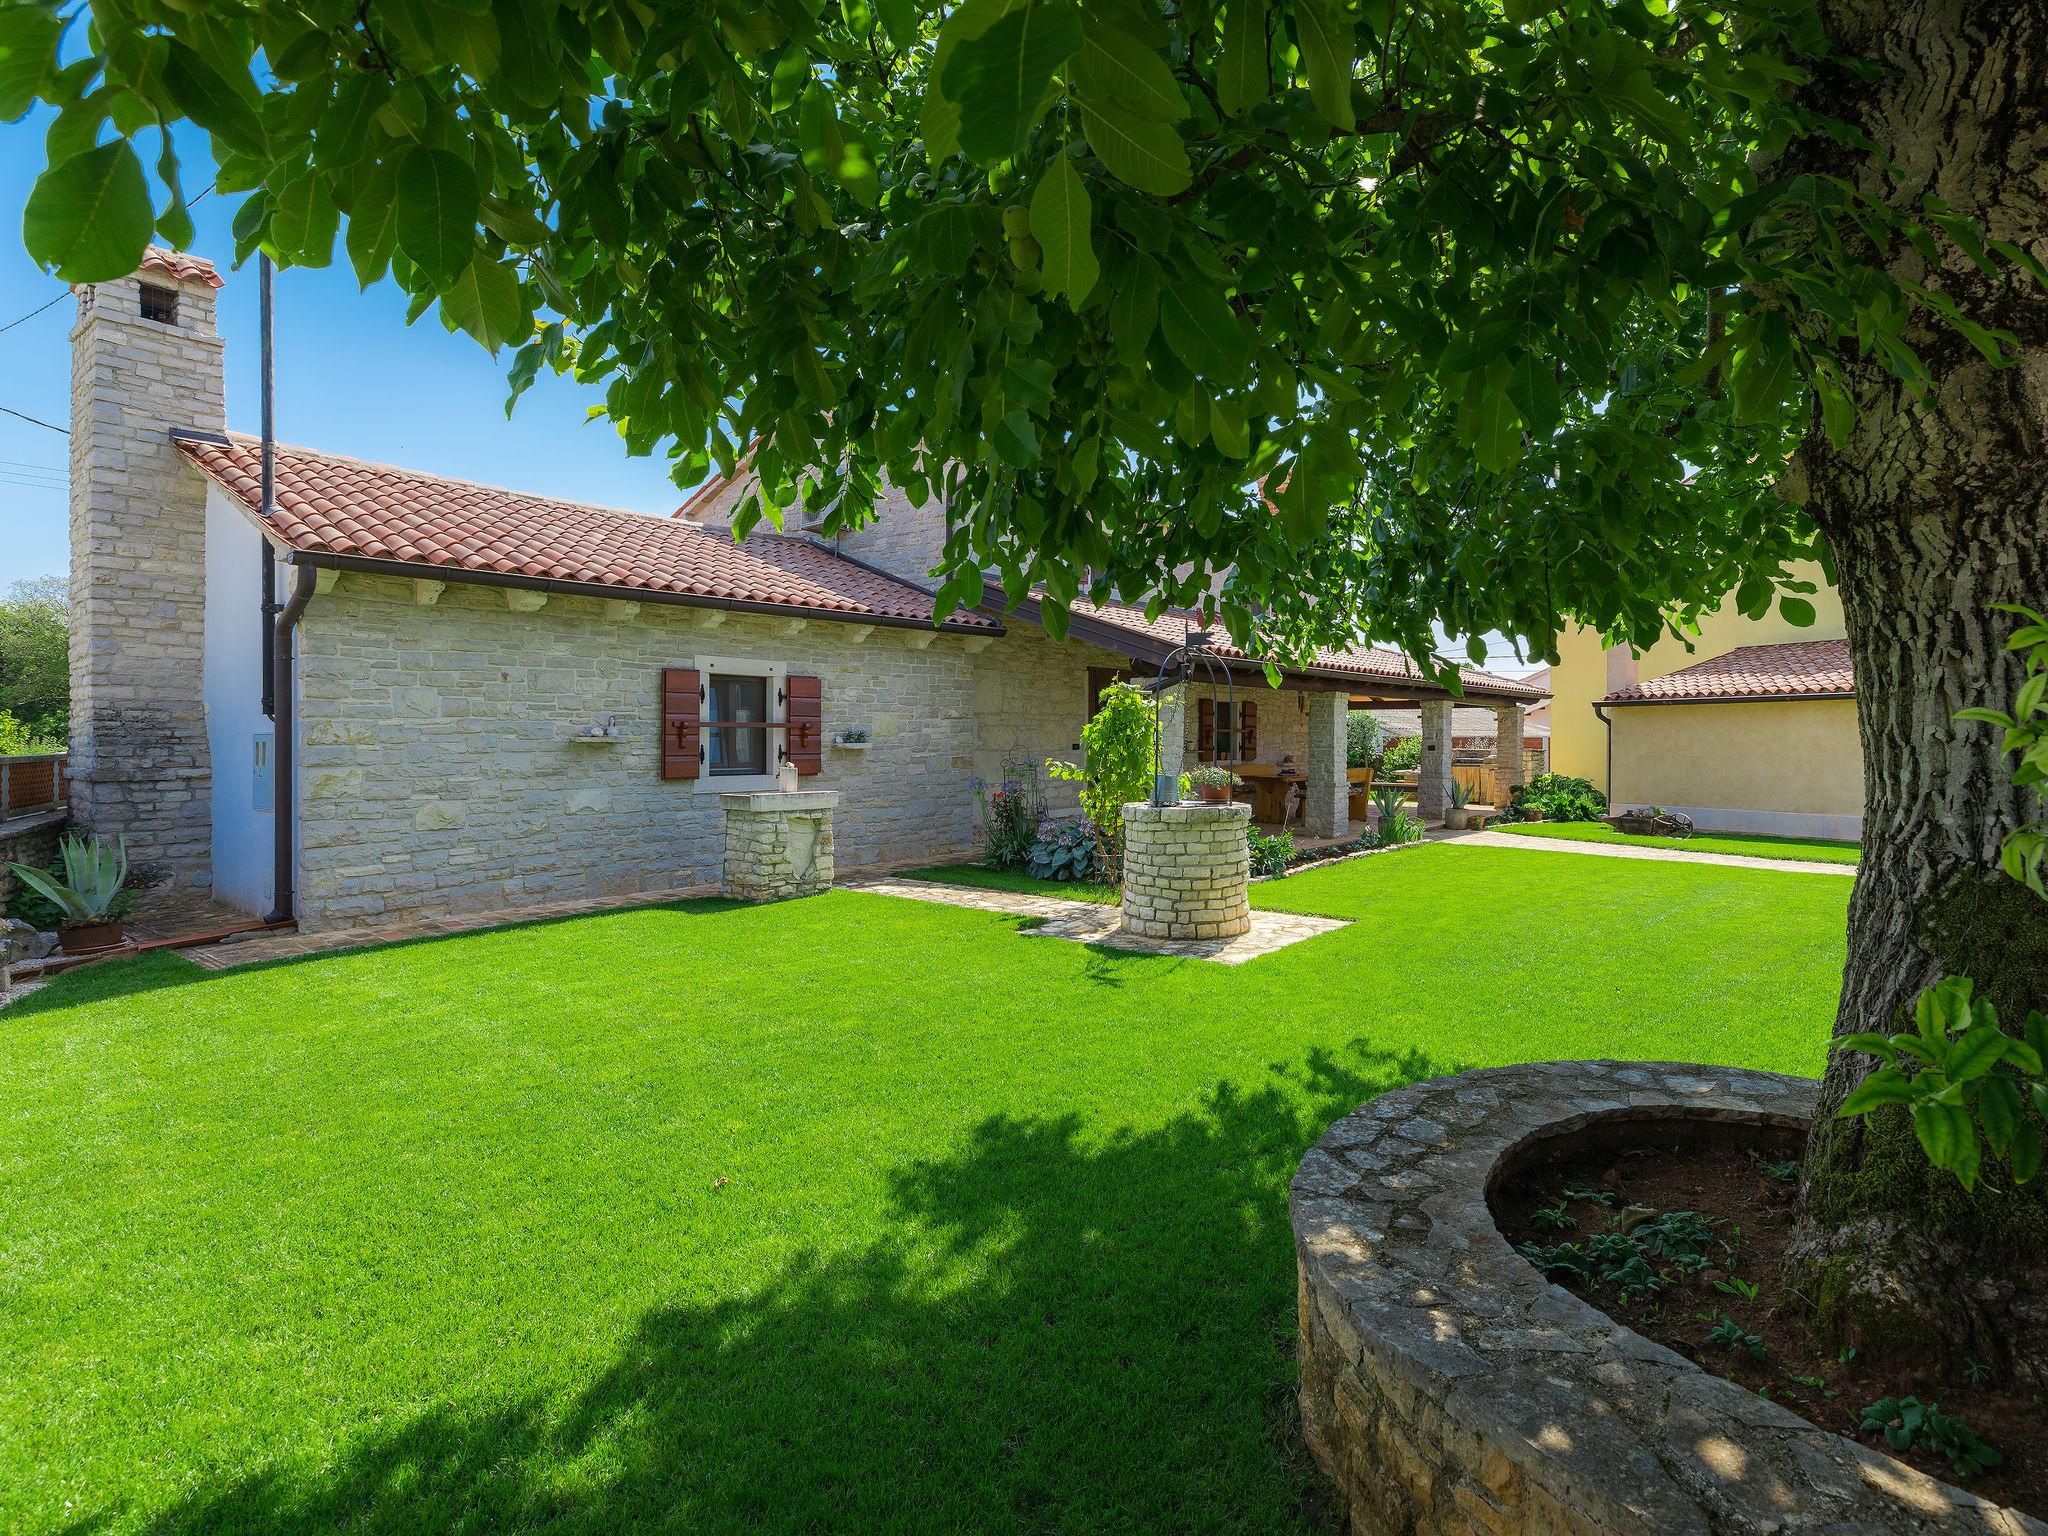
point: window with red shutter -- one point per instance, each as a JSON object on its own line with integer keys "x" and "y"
{"x": 806, "y": 718}
{"x": 681, "y": 755}
{"x": 1248, "y": 731}
{"x": 1205, "y": 730}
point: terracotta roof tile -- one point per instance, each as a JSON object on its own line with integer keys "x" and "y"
{"x": 1798, "y": 668}
{"x": 332, "y": 505}
{"x": 182, "y": 265}
{"x": 1372, "y": 661}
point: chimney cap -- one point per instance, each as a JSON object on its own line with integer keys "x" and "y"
{"x": 180, "y": 265}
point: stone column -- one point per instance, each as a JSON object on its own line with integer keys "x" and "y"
{"x": 1510, "y": 723}
{"x": 777, "y": 843}
{"x": 1173, "y": 729}
{"x": 1328, "y": 813}
{"x": 1186, "y": 871}
{"x": 1433, "y": 776}
{"x": 140, "y": 766}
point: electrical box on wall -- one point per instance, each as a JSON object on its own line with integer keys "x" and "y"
{"x": 260, "y": 776}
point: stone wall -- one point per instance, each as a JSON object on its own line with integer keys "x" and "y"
{"x": 777, "y": 845}
{"x": 1186, "y": 871}
{"x": 1447, "y": 1388}
{"x": 438, "y": 776}
{"x": 30, "y": 840}
{"x": 140, "y": 766}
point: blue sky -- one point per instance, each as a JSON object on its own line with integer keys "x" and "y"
{"x": 352, "y": 378}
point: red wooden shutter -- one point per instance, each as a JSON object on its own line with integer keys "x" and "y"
{"x": 1205, "y": 730}
{"x": 806, "y": 716}
{"x": 1248, "y": 731}
{"x": 681, "y": 757}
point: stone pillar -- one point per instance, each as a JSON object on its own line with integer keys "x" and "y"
{"x": 1173, "y": 729}
{"x": 777, "y": 843}
{"x": 139, "y": 765}
{"x": 1328, "y": 813}
{"x": 1510, "y": 724}
{"x": 1433, "y": 776}
{"x": 1186, "y": 871}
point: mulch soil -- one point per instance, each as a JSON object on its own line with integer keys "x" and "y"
{"x": 1743, "y": 1186}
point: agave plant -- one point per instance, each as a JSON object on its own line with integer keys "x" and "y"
{"x": 1387, "y": 799}
{"x": 1461, "y": 793}
{"x": 94, "y": 872}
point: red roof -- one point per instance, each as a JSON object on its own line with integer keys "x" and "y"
{"x": 181, "y": 265}
{"x": 1369, "y": 661}
{"x": 348, "y": 507}
{"x": 1798, "y": 669}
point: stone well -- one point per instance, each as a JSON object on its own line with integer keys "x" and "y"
{"x": 1448, "y": 1388}
{"x": 778, "y": 843}
{"x": 1186, "y": 871}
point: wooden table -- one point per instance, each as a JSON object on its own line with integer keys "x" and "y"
{"x": 1269, "y": 784}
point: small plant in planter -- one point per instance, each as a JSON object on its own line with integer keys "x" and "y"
{"x": 1213, "y": 782}
{"x": 1458, "y": 815}
{"x": 87, "y": 886}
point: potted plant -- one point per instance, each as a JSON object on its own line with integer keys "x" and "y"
{"x": 1213, "y": 782}
{"x": 89, "y": 894}
{"x": 1458, "y": 815}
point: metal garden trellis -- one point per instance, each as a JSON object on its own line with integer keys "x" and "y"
{"x": 1176, "y": 670}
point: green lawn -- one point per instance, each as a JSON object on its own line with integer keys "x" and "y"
{"x": 1015, "y": 880}
{"x": 1751, "y": 845}
{"x": 853, "y": 1213}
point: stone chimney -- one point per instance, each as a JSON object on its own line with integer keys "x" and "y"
{"x": 145, "y": 358}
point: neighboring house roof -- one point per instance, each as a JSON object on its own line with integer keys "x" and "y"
{"x": 349, "y": 513}
{"x": 1123, "y": 627}
{"x": 1466, "y": 720}
{"x": 1800, "y": 669}
{"x": 180, "y": 265}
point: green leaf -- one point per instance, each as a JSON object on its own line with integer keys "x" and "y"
{"x": 88, "y": 218}
{"x": 2025, "y": 1155}
{"x": 1134, "y": 307}
{"x": 1326, "y": 43}
{"x": 437, "y": 211}
{"x": 1228, "y": 429}
{"x": 303, "y": 221}
{"x": 373, "y": 223}
{"x": 1949, "y": 1139}
{"x": 1870, "y": 1044}
{"x": 1003, "y": 74}
{"x": 1243, "y": 74}
{"x": 1115, "y": 66}
{"x": 486, "y": 302}
{"x": 1061, "y": 220}
{"x": 528, "y": 51}
{"x": 343, "y": 137}
{"x": 175, "y": 222}
{"x": 939, "y": 120}
{"x": 1797, "y": 611}
{"x": 1016, "y": 440}
{"x": 1204, "y": 332}
{"x": 1976, "y": 1053}
{"x": 206, "y": 96}
{"x": 1999, "y": 1108}
{"x": 1138, "y": 152}
{"x": 1490, "y": 421}
{"x": 1764, "y": 368}
{"x": 1887, "y": 1085}
{"x": 29, "y": 63}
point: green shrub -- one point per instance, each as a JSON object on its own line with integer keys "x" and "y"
{"x": 1402, "y": 754}
{"x": 1010, "y": 815}
{"x": 1559, "y": 796}
{"x": 1270, "y": 853}
{"x": 1066, "y": 850}
{"x": 1121, "y": 743}
{"x": 1364, "y": 739}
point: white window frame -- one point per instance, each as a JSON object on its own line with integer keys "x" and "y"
{"x": 777, "y": 674}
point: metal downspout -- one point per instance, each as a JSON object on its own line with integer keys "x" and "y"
{"x": 285, "y": 799}
{"x": 1600, "y": 714}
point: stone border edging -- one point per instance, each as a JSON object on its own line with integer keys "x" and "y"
{"x": 1448, "y": 1388}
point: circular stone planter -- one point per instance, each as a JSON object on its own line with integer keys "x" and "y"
{"x": 1446, "y": 1387}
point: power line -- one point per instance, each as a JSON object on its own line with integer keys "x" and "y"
{"x": 10, "y": 325}
{"x": 35, "y": 421}
{"x": 53, "y": 469}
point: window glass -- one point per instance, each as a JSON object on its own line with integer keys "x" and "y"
{"x": 730, "y": 702}
{"x": 1226, "y": 732}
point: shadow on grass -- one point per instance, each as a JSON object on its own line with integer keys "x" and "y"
{"x": 1066, "y": 1330}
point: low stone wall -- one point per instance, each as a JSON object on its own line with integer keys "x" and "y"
{"x": 28, "y": 840}
{"x": 1186, "y": 869}
{"x": 777, "y": 844}
{"x": 1449, "y": 1389}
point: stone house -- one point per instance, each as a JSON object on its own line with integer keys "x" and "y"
{"x": 486, "y": 699}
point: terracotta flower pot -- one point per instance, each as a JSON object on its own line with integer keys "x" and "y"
{"x": 1215, "y": 794}
{"x": 88, "y": 938}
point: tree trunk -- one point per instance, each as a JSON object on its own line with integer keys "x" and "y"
{"x": 1934, "y": 511}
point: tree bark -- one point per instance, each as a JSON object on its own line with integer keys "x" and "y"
{"x": 1934, "y": 511}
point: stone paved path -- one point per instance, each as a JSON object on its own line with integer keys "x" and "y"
{"x": 1611, "y": 851}
{"x": 1088, "y": 922}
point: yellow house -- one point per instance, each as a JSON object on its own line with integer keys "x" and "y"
{"x": 1751, "y": 729}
